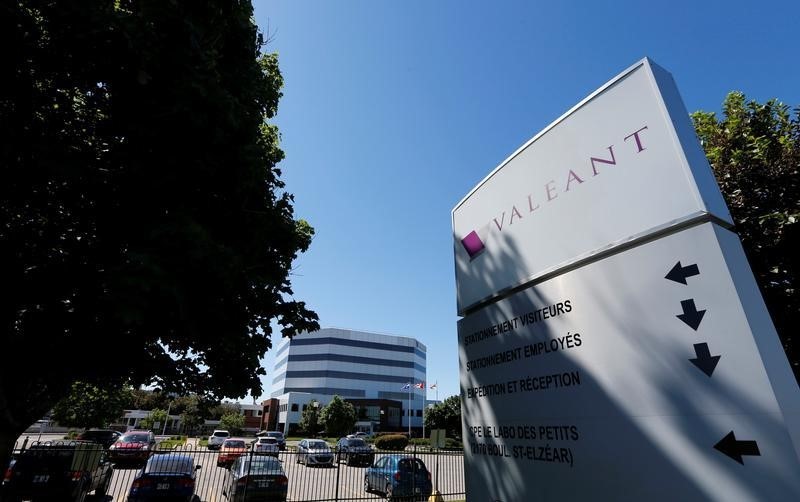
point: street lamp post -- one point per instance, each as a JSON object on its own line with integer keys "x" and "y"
{"x": 163, "y": 429}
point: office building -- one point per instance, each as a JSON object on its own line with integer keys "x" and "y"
{"x": 380, "y": 375}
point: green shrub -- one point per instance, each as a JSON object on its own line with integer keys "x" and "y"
{"x": 452, "y": 444}
{"x": 172, "y": 443}
{"x": 391, "y": 442}
{"x": 421, "y": 442}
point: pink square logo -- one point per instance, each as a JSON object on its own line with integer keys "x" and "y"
{"x": 472, "y": 244}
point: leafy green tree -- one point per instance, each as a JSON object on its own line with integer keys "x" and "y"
{"x": 143, "y": 399}
{"x": 89, "y": 406}
{"x": 179, "y": 403}
{"x": 140, "y": 201}
{"x": 338, "y": 416}
{"x": 445, "y": 415}
{"x": 191, "y": 412}
{"x": 233, "y": 422}
{"x": 754, "y": 150}
{"x": 310, "y": 418}
{"x": 191, "y": 420}
{"x": 154, "y": 421}
{"x": 218, "y": 411}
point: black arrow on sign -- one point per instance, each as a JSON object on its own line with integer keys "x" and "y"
{"x": 679, "y": 274}
{"x": 735, "y": 449}
{"x": 691, "y": 316}
{"x": 705, "y": 361}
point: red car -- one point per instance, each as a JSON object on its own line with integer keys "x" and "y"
{"x": 133, "y": 446}
{"x": 230, "y": 450}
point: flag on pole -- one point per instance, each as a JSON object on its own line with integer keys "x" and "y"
{"x": 406, "y": 386}
{"x": 420, "y": 385}
{"x": 433, "y": 386}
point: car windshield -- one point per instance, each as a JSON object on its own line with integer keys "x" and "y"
{"x": 356, "y": 442}
{"x": 233, "y": 443}
{"x": 267, "y": 441}
{"x": 317, "y": 444}
{"x": 134, "y": 438}
{"x": 169, "y": 464}
{"x": 221, "y": 434}
{"x": 275, "y": 434}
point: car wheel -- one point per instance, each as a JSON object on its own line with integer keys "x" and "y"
{"x": 367, "y": 488}
{"x": 388, "y": 491}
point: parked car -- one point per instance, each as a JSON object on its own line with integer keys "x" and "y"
{"x": 399, "y": 476}
{"x": 278, "y": 435}
{"x": 266, "y": 446}
{"x": 354, "y": 451}
{"x": 314, "y": 452}
{"x": 231, "y": 450}
{"x": 216, "y": 439}
{"x": 165, "y": 476}
{"x": 63, "y": 471}
{"x": 133, "y": 446}
{"x": 255, "y": 478}
{"x": 105, "y": 437}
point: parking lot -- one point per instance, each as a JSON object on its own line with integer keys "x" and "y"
{"x": 340, "y": 482}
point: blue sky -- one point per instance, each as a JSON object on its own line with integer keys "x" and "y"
{"x": 393, "y": 111}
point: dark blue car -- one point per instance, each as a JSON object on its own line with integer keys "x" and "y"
{"x": 399, "y": 476}
{"x": 165, "y": 476}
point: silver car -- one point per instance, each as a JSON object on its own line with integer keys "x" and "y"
{"x": 266, "y": 446}
{"x": 314, "y": 452}
{"x": 255, "y": 478}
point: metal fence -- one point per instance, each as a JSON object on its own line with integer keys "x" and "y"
{"x": 337, "y": 481}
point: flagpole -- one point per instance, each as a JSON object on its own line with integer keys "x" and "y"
{"x": 424, "y": 407}
{"x": 409, "y": 411}
{"x": 423, "y": 414}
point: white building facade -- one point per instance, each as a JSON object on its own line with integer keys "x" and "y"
{"x": 354, "y": 365}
